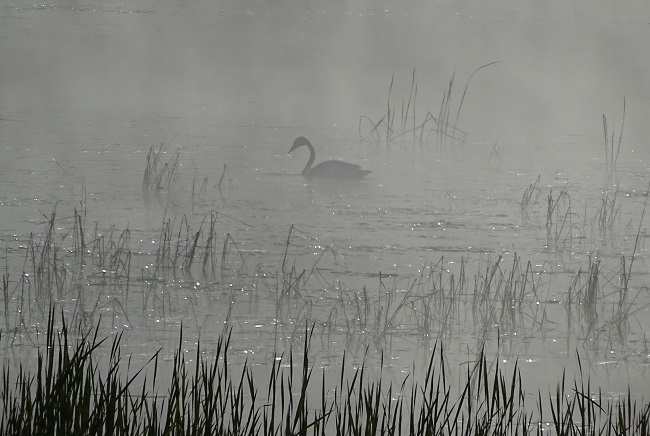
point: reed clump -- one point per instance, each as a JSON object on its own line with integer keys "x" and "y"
{"x": 398, "y": 124}
{"x": 529, "y": 198}
{"x": 182, "y": 246}
{"x": 612, "y": 150}
{"x": 90, "y": 272}
{"x": 78, "y": 388}
{"x": 160, "y": 172}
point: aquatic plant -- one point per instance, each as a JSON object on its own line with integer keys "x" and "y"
{"x": 612, "y": 150}
{"x": 78, "y": 389}
{"x": 559, "y": 220}
{"x": 158, "y": 173}
{"x": 528, "y": 198}
{"x": 439, "y": 126}
{"x": 503, "y": 296}
{"x": 606, "y": 216}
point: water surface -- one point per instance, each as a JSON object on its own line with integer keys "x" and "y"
{"x": 87, "y": 88}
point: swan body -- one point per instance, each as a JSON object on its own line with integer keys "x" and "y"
{"x": 332, "y": 169}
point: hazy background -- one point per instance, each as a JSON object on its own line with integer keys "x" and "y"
{"x": 87, "y": 87}
{"x": 299, "y": 64}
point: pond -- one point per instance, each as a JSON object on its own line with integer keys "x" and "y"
{"x": 146, "y": 185}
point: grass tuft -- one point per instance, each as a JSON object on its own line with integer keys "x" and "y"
{"x": 398, "y": 125}
{"x": 78, "y": 389}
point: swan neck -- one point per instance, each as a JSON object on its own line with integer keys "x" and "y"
{"x": 312, "y": 158}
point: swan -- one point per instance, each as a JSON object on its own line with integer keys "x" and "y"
{"x": 329, "y": 169}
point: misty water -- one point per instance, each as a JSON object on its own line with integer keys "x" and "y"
{"x": 87, "y": 88}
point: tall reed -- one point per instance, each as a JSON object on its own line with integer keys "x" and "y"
{"x": 440, "y": 126}
{"x": 79, "y": 389}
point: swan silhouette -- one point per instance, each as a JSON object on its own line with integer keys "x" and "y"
{"x": 333, "y": 169}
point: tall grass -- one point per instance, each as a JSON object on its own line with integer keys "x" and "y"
{"x": 612, "y": 149}
{"x": 79, "y": 388}
{"x": 529, "y": 198}
{"x": 160, "y": 173}
{"x": 181, "y": 245}
{"x": 606, "y": 215}
{"x": 212, "y": 397}
{"x": 559, "y": 219}
{"x": 90, "y": 272}
{"x": 397, "y": 125}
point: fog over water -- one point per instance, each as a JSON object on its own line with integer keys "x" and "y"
{"x": 86, "y": 88}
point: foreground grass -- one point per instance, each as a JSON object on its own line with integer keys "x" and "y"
{"x": 69, "y": 394}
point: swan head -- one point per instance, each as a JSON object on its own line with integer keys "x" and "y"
{"x": 299, "y": 142}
